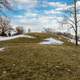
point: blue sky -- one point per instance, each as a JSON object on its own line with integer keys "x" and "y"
{"x": 37, "y": 14}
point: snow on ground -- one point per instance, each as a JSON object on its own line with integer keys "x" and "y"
{"x": 52, "y": 41}
{"x": 13, "y": 37}
{"x": 2, "y": 49}
{"x": 73, "y": 41}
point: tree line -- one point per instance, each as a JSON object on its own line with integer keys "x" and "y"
{"x": 6, "y": 28}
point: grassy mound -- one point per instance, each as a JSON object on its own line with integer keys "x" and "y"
{"x": 24, "y": 59}
{"x": 38, "y": 38}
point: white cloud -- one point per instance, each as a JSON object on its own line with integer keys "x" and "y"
{"x": 28, "y": 3}
{"x": 57, "y": 4}
{"x": 59, "y": 7}
{"x": 23, "y": 1}
{"x": 78, "y": 4}
{"x": 53, "y": 12}
{"x": 38, "y": 22}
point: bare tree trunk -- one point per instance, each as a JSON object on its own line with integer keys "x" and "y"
{"x": 3, "y": 32}
{"x": 75, "y": 18}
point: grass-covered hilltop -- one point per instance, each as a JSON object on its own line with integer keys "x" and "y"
{"x": 25, "y": 59}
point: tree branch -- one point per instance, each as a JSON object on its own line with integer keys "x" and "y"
{"x": 72, "y": 26}
{"x": 78, "y": 21}
{"x": 69, "y": 19}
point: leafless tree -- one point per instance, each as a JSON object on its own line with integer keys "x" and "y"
{"x": 72, "y": 22}
{"x": 19, "y": 30}
{"x": 4, "y": 19}
{"x": 4, "y": 25}
{"x": 75, "y": 19}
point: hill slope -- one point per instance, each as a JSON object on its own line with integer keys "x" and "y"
{"x": 24, "y": 59}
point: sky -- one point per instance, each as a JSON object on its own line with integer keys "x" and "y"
{"x": 39, "y": 14}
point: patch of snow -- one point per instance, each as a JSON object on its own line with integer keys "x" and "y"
{"x": 73, "y": 41}
{"x": 28, "y": 36}
{"x": 13, "y": 37}
{"x": 2, "y": 49}
{"x": 52, "y": 41}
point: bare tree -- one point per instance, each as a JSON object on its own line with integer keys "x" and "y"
{"x": 75, "y": 19}
{"x": 19, "y": 30}
{"x": 5, "y": 20}
{"x": 4, "y": 25}
{"x": 72, "y": 22}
